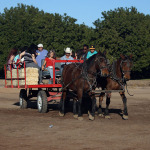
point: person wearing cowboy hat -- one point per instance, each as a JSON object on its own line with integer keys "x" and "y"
{"x": 91, "y": 52}
{"x": 67, "y": 56}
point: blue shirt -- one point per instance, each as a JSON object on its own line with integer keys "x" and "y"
{"x": 65, "y": 58}
{"x": 41, "y": 55}
{"x": 15, "y": 60}
{"x": 89, "y": 54}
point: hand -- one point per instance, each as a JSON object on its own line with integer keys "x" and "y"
{"x": 33, "y": 56}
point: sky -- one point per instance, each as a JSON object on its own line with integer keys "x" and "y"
{"x": 85, "y": 11}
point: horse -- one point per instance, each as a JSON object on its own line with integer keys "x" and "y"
{"x": 81, "y": 79}
{"x": 119, "y": 74}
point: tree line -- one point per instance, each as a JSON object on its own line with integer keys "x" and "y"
{"x": 122, "y": 30}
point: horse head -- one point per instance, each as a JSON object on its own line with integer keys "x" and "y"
{"x": 126, "y": 66}
{"x": 102, "y": 63}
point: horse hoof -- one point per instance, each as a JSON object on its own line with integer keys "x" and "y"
{"x": 61, "y": 114}
{"x": 101, "y": 115}
{"x": 75, "y": 116}
{"x": 107, "y": 117}
{"x": 125, "y": 117}
{"x": 80, "y": 118}
{"x": 91, "y": 117}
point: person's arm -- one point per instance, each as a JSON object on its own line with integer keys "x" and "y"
{"x": 33, "y": 58}
{"x": 11, "y": 59}
{"x": 43, "y": 65}
{"x": 23, "y": 53}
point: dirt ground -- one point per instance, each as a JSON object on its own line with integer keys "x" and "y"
{"x": 29, "y": 130}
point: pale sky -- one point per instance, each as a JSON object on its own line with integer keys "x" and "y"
{"x": 86, "y": 11}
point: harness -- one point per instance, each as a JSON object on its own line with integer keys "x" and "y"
{"x": 114, "y": 76}
{"x": 121, "y": 81}
{"x": 85, "y": 75}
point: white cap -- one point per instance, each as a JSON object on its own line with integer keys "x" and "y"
{"x": 40, "y": 45}
{"x": 68, "y": 50}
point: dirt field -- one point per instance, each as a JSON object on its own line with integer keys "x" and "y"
{"x": 29, "y": 130}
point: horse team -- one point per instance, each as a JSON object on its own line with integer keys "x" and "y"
{"x": 81, "y": 79}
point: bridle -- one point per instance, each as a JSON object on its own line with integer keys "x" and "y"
{"x": 95, "y": 74}
{"x": 121, "y": 67}
{"x": 100, "y": 68}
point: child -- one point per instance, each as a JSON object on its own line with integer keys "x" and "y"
{"x": 49, "y": 63}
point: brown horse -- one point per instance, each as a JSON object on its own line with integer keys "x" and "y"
{"x": 120, "y": 73}
{"x": 82, "y": 79}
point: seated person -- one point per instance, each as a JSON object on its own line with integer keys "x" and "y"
{"x": 84, "y": 52}
{"x": 40, "y": 54}
{"x": 67, "y": 56}
{"x": 11, "y": 57}
{"x": 30, "y": 61}
{"x": 17, "y": 62}
{"x": 91, "y": 52}
{"x": 49, "y": 64}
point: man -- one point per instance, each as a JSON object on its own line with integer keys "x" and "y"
{"x": 85, "y": 51}
{"x": 40, "y": 54}
{"x": 67, "y": 56}
{"x": 91, "y": 52}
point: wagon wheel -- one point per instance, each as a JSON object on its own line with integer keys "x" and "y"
{"x": 23, "y": 99}
{"x": 42, "y": 101}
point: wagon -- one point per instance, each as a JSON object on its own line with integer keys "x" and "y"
{"x": 45, "y": 93}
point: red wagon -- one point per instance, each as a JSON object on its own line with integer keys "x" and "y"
{"x": 44, "y": 92}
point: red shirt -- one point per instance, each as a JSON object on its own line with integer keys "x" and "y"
{"x": 49, "y": 62}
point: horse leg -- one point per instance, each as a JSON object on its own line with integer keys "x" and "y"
{"x": 125, "y": 111}
{"x": 79, "y": 103}
{"x": 107, "y": 105}
{"x": 92, "y": 113}
{"x": 75, "y": 115}
{"x": 62, "y": 104}
{"x": 100, "y": 113}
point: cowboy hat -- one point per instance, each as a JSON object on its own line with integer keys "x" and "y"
{"x": 68, "y": 50}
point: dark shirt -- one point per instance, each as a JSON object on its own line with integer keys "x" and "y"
{"x": 29, "y": 61}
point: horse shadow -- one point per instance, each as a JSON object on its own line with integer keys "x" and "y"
{"x": 113, "y": 111}
{"x": 55, "y": 106}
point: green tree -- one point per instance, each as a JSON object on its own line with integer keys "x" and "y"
{"x": 125, "y": 30}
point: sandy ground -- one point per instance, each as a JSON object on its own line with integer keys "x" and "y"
{"x": 29, "y": 130}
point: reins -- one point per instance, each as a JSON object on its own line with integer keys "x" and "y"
{"x": 119, "y": 80}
